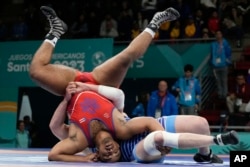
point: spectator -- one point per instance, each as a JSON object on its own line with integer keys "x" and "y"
{"x": 183, "y": 8}
{"x": 94, "y": 25}
{"x": 162, "y": 102}
{"x": 164, "y": 30}
{"x": 244, "y": 6}
{"x": 238, "y": 102}
{"x": 199, "y": 23}
{"x": 236, "y": 17}
{"x": 20, "y": 29}
{"x": 31, "y": 16}
{"x": 141, "y": 106}
{"x": 79, "y": 28}
{"x": 135, "y": 30}
{"x": 213, "y": 23}
{"x": 205, "y": 34}
{"x": 126, "y": 6}
{"x": 239, "y": 95}
{"x": 220, "y": 60}
{"x": 190, "y": 28}
{"x": 148, "y": 8}
{"x": 189, "y": 92}
{"x": 141, "y": 21}
{"x": 31, "y": 127}
{"x": 22, "y": 136}
{"x": 233, "y": 31}
{"x": 209, "y": 6}
{"x": 175, "y": 32}
{"x": 125, "y": 24}
{"x": 109, "y": 27}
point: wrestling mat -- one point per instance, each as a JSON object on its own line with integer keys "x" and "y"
{"x": 38, "y": 158}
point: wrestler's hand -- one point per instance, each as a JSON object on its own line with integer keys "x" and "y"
{"x": 80, "y": 87}
{"x": 71, "y": 89}
{"x": 164, "y": 149}
{"x": 92, "y": 157}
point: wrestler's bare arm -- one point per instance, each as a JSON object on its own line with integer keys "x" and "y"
{"x": 67, "y": 149}
{"x": 57, "y": 125}
{"x": 135, "y": 126}
{"x": 114, "y": 94}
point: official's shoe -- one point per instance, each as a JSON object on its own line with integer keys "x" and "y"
{"x": 227, "y": 138}
{"x": 57, "y": 26}
{"x": 210, "y": 158}
{"x": 169, "y": 14}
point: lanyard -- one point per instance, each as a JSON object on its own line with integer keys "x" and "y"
{"x": 243, "y": 88}
{"x": 163, "y": 101}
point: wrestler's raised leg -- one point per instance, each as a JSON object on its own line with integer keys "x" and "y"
{"x": 113, "y": 71}
{"x": 148, "y": 149}
{"x": 52, "y": 77}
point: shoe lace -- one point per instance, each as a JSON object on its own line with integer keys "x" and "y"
{"x": 160, "y": 17}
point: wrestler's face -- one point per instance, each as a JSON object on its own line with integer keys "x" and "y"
{"x": 108, "y": 148}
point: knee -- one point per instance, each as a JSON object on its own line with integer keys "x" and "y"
{"x": 33, "y": 72}
{"x": 158, "y": 138}
{"x": 199, "y": 125}
{"x": 33, "y": 68}
{"x": 202, "y": 125}
{"x": 52, "y": 156}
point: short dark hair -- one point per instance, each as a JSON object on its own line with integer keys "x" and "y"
{"x": 188, "y": 67}
{"x": 26, "y": 117}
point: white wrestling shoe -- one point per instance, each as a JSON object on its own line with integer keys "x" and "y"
{"x": 169, "y": 14}
{"x": 57, "y": 26}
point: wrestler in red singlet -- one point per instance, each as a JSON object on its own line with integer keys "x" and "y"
{"x": 87, "y": 106}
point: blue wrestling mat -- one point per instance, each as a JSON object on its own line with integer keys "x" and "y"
{"x": 38, "y": 158}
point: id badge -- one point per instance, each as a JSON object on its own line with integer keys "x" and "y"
{"x": 157, "y": 113}
{"x": 188, "y": 96}
{"x": 218, "y": 60}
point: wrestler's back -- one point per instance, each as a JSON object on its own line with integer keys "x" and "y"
{"x": 93, "y": 113}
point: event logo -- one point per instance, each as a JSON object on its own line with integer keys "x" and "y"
{"x": 75, "y": 60}
{"x": 98, "y": 58}
{"x": 19, "y": 62}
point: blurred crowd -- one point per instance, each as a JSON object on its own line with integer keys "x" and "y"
{"x": 124, "y": 20}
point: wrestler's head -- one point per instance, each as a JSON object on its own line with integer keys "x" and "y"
{"x": 108, "y": 149}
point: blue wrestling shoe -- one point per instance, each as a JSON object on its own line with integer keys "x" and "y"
{"x": 57, "y": 26}
{"x": 169, "y": 14}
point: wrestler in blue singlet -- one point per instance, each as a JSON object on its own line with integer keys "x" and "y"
{"x": 127, "y": 146}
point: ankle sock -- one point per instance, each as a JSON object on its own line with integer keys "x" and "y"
{"x": 218, "y": 140}
{"x": 150, "y": 31}
{"x": 52, "y": 40}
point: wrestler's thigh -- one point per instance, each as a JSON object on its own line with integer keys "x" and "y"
{"x": 191, "y": 124}
{"x": 113, "y": 71}
{"x": 55, "y": 78}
